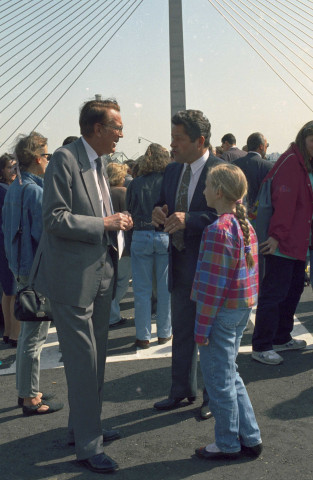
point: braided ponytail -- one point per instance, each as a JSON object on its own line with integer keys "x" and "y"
{"x": 231, "y": 181}
{"x": 241, "y": 215}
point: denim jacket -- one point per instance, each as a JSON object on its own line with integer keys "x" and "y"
{"x": 31, "y": 221}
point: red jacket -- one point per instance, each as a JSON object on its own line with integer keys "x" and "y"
{"x": 292, "y": 200}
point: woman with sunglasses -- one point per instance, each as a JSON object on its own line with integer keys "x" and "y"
{"x": 23, "y": 207}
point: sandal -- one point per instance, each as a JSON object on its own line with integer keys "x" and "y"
{"x": 48, "y": 396}
{"x": 33, "y": 409}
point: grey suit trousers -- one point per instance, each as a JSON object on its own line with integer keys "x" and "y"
{"x": 83, "y": 334}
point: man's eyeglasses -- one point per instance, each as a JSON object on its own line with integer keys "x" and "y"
{"x": 47, "y": 155}
{"x": 113, "y": 127}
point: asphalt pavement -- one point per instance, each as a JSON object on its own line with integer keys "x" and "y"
{"x": 160, "y": 445}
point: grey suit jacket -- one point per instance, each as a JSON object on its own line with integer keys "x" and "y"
{"x": 74, "y": 246}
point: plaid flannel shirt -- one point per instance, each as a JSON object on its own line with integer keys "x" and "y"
{"x": 222, "y": 277}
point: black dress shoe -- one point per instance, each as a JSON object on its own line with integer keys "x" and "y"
{"x": 205, "y": 412}
{"x": 108, "y": 436}
{"x": 171, "y": 403}
{"x": 100, "y": 463}
{"x": 254, "y": 451}
{"x": 203, "y": 453}
{"x": 121, "y": 321}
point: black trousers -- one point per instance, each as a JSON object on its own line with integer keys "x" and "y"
{"x": 184, "y": 350}
{"x": 279, "y": 296}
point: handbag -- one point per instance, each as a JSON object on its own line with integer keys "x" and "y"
{"x": 30, "y": 305}
{"x": 262, "y": 210}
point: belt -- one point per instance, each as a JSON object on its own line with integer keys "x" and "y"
{"x": 141, "y": 225}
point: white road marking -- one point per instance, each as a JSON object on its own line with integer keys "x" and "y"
{"x": 50, "y": 355}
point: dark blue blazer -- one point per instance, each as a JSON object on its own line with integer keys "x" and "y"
{"x": 198, "y": 216}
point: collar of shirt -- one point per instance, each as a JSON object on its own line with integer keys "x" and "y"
{"x": 198, "y": 163}
{"x": 196, "y": 169}
{"x": 255, "y": 153}
{"x": 91, "y": 154}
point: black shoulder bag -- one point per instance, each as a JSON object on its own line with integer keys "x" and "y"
{"x": 30, "y": 305}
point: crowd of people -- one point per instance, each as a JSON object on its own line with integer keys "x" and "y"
{"x": 178, "y": 226}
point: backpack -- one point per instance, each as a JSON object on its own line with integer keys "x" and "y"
{"x": 261, "y": 213}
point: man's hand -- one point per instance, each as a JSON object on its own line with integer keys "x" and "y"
{"x": 176, "y": 221}
{"x": 269, "y": 246}
{"x": 159, "y": 215}
{"x": 118, "y": 221}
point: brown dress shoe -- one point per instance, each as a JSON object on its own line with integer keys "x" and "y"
{"x": 142, "y": 343}
{"x": 161, "y": 340}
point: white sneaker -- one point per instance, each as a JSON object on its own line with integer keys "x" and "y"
{"x": 293, "y": 344}
{"x": 269, "y": 357}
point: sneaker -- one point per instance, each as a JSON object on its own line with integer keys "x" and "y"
{"x": 293, "y": 344}
{"x": 269, "y": 357}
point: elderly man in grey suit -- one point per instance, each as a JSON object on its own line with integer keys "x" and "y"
{"x": 77, "y": 270}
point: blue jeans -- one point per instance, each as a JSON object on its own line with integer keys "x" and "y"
{"x": 149, "y": 250}
{"x": 235, "y": 423}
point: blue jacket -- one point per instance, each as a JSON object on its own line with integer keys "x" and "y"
{"x": 31, "y": 222}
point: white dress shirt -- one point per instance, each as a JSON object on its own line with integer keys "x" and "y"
{"x": 92, "y": 156}
{"x": 196, "y": 169}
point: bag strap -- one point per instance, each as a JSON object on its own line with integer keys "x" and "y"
{"x": 36, "y": 263}
{"x": 282, "y": 163}
{"x": 19, "y": 233}
{"x": 254, "y": 207}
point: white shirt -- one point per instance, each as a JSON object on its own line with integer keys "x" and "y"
{"x": 196, "y": 169}
{"x": 92, "y": 156}
{"x": 256, "y": 153}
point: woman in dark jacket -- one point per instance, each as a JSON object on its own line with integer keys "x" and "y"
{"x": 285, "y": 250}
{"x": 7, "y": 281}
{"x": 149, "y": 248}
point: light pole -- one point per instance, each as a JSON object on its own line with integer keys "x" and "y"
{"x": 177, "y": 69}
{"x": 143, "y": 138}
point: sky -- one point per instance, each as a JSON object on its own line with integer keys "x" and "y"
{"x": 225, "y": 77}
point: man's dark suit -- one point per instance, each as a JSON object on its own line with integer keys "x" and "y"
{"x": 255, "y": 169}
{"x": 182, "y": 266}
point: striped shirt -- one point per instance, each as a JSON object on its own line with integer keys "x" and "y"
{"x": 222, "y": 277}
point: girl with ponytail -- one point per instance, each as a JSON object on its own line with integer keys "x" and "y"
{"x": 225, "y": 289}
